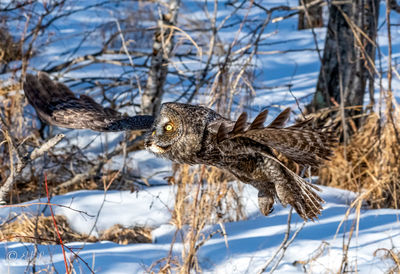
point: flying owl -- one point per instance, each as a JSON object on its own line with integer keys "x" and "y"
{"x": 193, "y": 134}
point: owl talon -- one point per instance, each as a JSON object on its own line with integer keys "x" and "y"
{"x": 271, "y": 210}
{"x": 265, "y": 203}
{"x": 266, "y": 211}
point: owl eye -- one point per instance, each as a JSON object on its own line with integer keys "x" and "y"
{"x": 169, "y": 127}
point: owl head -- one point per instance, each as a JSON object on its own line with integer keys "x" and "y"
{"x": 178, "y": 131}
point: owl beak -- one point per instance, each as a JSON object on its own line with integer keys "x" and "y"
{"x": 150, "y": 146}
{"x": 156, "y": 149}
{"x": 147, "y": 143}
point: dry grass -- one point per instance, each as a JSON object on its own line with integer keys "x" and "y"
{"x": 393, "y": 256}
{"x": 123, "y": 236}
{"x": 10, "y": 50}
{"x": 40, "y": 229}
{"x": 206, "y": 190}
{"x": 370, "y": 162}
{"x": 30, "y": 186}
{"x": 204, "y": 196}
{"x": 11, "y": 107}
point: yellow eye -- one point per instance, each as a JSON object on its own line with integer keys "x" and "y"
{"x": 169, "y": 127}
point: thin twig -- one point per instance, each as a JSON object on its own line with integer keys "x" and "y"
{"x": 49, "y": 204}
{"x": 55, "y": 225}
{"x": 286, "y": 242}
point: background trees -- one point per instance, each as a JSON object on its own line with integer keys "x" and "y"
{"x": 348, "y": 61}
{"x": 228, "y": 55}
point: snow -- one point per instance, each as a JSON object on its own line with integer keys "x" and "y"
{"x": 150, "y": 207}
{"x": 249, "y": 243}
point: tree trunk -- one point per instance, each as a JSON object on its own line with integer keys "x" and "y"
{"x": 162, "y": 47}
{"x": 312, "y": 18}
{"x": 348, "y": 60}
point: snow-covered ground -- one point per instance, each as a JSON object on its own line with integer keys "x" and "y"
{"x": 246, "y": 248}
{"x": 249, "y": 243}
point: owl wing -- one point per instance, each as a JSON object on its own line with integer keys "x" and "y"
{"x": 299, "y": 142}
{"x": 57, "y": 105}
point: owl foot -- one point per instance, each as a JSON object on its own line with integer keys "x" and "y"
{"x": 265, "y": 203}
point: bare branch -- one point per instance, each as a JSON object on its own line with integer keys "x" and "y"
{"x": 283, "y": 246}
{"x": 132, "y": 145}
{"x": 14, "y": 172}
{"x": 394, "y": 6}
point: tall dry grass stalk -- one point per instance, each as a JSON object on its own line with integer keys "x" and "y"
{"x": 204, "y": 196}
{"x": 370, "y": 162}
{"x": 207, "y": 189}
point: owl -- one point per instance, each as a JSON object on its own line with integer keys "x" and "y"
{"x": 191, "y": 134}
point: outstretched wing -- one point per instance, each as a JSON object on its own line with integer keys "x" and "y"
{"x": 57, "y": 105}
{"x": 299, "y": 142}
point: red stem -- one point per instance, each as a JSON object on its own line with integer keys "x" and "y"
{"x": 55, "y": 224}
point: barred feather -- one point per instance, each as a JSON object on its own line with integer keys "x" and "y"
{"x": 299, "y": 193}
{"x": 259, "y": 121}
{"x": 57, "y": 105}
{"x": 240, "y": 124}
{"x": 297, "y": 142}
{"x": 281, "y": 119}
{"x": 302, "y": 146}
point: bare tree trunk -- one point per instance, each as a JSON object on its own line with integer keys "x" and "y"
{"x": 314, "y": 18}
{"x": 162, "y": 47}
{"x": 349, "y": 54}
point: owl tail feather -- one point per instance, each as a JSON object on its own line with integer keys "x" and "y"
{"x": 308, "y": 205}
{"x": 298, "y": 193}
{"x": 304, "y": 199}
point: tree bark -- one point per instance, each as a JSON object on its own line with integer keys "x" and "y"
{"x": 349, "y": 53}
{"x": 162, "y": 47}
